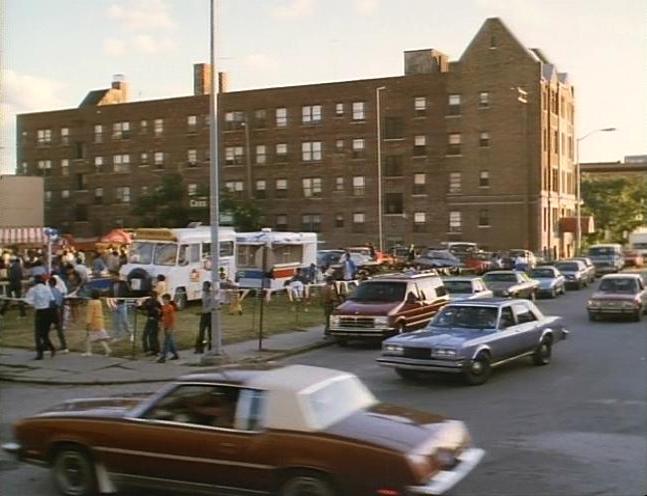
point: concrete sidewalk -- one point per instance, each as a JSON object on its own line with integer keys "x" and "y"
{"x": 18, "y": 365}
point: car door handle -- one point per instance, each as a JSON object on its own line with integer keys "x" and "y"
{"x": 227, "y": 445}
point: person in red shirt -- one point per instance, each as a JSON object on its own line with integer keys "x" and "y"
{"x": 169, "y": 318}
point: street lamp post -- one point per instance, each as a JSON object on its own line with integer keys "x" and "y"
{"x": 378, "y": 119}
{"x": 578, "y": 175}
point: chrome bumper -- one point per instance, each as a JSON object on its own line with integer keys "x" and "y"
{"x": 444, "y": 480}
{"x": 12, "y": 448}
{"x": 452, "y": 366}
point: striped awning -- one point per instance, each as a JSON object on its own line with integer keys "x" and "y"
{"x": 22, "y": 235}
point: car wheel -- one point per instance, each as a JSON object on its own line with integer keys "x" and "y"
{"x": 542, "y": 353}
{"x": 73, "y": 472}
{"x": 478, "y": 371}
{"x": 592, "y": 317}
{"x": 307, "y": 485}
{"x": 401, "y": 328}
{"x": 180, "y": 299}
{"x": 343, "y": 342}
{"x": 405, "y": 374}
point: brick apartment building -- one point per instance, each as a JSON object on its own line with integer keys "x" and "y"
{"x": 478, "y": 149}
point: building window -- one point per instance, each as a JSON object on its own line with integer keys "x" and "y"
{"x": 419, "y": 184}
{"x": 359, "y": 111}
{"x": 454, "y": 144}
{"x": 44, "y": 166}
{"x": 48, "y": 196}
{"x": 454, "y": 182}
{"x": 419, "y": 221}
{"x": 454, "y": 107}
{"x": 260, "y": 118}
{"x": 98, "y": 196}
{"x": 143, "y": 127}
{"x": 455, "y": 221}
{"x": 191, "y": 122}
{"x": 122, "y": 194}
{"x": 311, "y": 187}
{"x": 359, "y": 147}
{"x": 260, "y": 191}
{"x": 120, "y": 130}
{"x": 192, "y": 157}
{"x": 484, "y": 179}
{"x": 484, "y": 139}
{"x": 484, "y": 217}
{"x": 393, "y": 128}
{"x": 393, "y": 203}
{"x": 311, "y": 151}
{"x": 98, "y": 163}
{"x": 311, "y": 222}
{"x": 339, "y": 220}
{"x": 281, "y": 117}
{"x": 261, "y": 154}
{"x": 281, "y": 188}
{"x": 234, "y": 155}
{"x": 281, "y": 223}
{"x": 143, "y": 158}
{"x": 121, "y": 163}
{"x": 281, "y": 151}
{"x": 44, "y": 136}
{"x": 339, "y": 109}
{"x": 393, "y": 165}
{"x": 339, "y": 145}
{"x": 23, "y": 168}
{"x": 65, "y": 167}
{"x": 65, "y": 136}
{"x": 359, "y": 221}
{"x": 159, "y": 159}
{"x": 419, "y": 145}
{"x": 158, "y": 128}
{"x": 339, "y": 183}
{"x": 234, "y": 120}
{"x": 192, "y": 189}
{"x": 311, "y": 114}
{"x": 555, "y": 142}
{"x": 235, "y": 188}
{"x": 420, "y": 105}
{"x": 359, "y": 186}
{"x": 484, "y": 99}
{"x": 98, "y": 133}
{"x": 65, "y": 194}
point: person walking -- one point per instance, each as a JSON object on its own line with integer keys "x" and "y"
{"x": 153, "y": 311}
{"x": 348, "y": 266}
{"x": 169, "y": 314}
{"x": 161, "y": 287}
{"x": 329, "y": 300}
{"x": 208, "y": 304}
{"x": 14, "y": 288}
{"x": 57, "y": 313}
{"x": 40, "y": 297}
{"x": 95, "y": 326}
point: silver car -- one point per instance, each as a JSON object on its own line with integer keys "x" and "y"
{"x": 466, "y": 288}
{"x": 551, "y": 281}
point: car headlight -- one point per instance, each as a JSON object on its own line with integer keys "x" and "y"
{"x": 593, "y": 304}
{"x": 334, "y": 320}
{"x": 443, "y": 352}
{"x": 393, "y": 349}
{"x": 381, "y": 321}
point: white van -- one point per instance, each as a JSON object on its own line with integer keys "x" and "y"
{"x": 181, "y": 255}
{"x": 284, "y": 253}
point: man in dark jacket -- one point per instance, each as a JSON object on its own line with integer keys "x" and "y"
{"x": 153, "y": 310}
{"x": 14, "y": 289}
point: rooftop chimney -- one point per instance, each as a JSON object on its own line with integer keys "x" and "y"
{"x": 202, "y": 80}
{"x": 425, "y": 61}
{"x": 119, "y": 89}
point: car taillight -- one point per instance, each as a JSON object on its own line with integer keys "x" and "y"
{"x": 388, "y": 492}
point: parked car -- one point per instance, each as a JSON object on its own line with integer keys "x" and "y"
{"x": 471, "y": 338}
{"x": 512, "y": 284}
{"x": 438, "y": 259}
{"x": 466, "y": 288}
{"x": 387, "y": 305}
{"x": 575, "y": 273}
{"x": 590, "y": 268}
{"x": 619, "y": 294}
{"x": 607, "y": 258}
{"x": 477, "y": 262}
{"x": 551, "y": 281}
{"x": 633, "y": 258}
{"x": 294, "y": 430}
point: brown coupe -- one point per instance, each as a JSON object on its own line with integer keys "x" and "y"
{"x": 290, "y": 431}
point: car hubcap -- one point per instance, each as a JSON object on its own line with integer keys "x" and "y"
{"x": 307, "y": 486}
{"x": 477, "y": 367}
{"x": 72, "y": 474}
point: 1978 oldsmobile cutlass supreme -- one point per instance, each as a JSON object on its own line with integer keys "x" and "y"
{"x": 473, "y": 337}
{"x": 290, "y": 431}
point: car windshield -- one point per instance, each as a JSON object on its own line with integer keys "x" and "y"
{"x": 601, "y": 251}
{"x": 458, "y": 286}
{"x": 165, "y": 254}
{"x": 627, "y": 286}
{"x": 493, "y": 277}
{"x": 141, "y": 253}
{"x": 471, "y": 317}
{"x": 379, "y": 291}
{"x": 542, "y": 273}
{"x": 568, "y": 267}
{"x": 336, "y": 400}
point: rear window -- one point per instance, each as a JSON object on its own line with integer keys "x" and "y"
{"x": 601, "y": 251}
{"x": 542, "y": 273}
{"x": 568, "y": 267}
{"x": 379, "y": 291}
{"x": 500, "y": 277}
{"x": 471, "y": 317}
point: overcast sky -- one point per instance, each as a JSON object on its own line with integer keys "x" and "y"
{"x": 54, "y": 52}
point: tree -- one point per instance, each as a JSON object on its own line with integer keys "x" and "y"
{"x": 245, "y": 213}
{"x": 618, "y": 205}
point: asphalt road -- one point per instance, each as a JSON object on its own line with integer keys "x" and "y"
{"x": 577, "y": 427}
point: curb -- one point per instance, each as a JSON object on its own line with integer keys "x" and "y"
{"x": 197, "y": 369}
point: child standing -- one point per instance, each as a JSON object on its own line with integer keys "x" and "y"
{"x": 95, "y": 326}
{"x": 169, "y": 311}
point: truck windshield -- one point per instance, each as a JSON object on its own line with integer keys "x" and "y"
{"x": 141, "y": 253}
{"x": 601, "y": 251}
{"x": 165, "y": 254}
{"x": 379, "y": 292}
